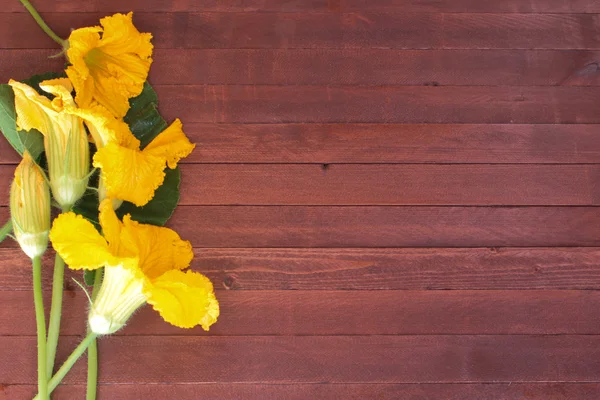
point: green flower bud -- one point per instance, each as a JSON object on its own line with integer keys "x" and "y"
{"x": 30, "y": 207}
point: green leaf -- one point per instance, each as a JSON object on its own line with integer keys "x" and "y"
{"x": 143, "y": 118}
{"x": 161, "y": 207}
{"x": 156, "y": 212}
{"x": 89, "y": 277}
{"x": 32, "y": 141}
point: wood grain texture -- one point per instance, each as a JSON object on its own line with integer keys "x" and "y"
{"x": 335, "y": 359}
{"x": 368, "y": 269}
{"x": 358, "y": 184}
{"x": 391, "y": 185}
{"x": 404, "y": 104}
{"x": 391, "y": 226}
{"x": 345, "y": 67}
{"x": 253, "y": 391}
{"x": 400, "y": 30}
{"x": 508, "y": 6}
{"x": 222, "y": 226}
{"x": 378, "y": 193}
{"x": 376, "y": 312}
{"x": 387, "y": 143}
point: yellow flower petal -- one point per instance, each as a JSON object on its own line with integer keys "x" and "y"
{"x": 117, "y": 63}
{"x": 111, "y": 225}
{"x": 79, "y": 243}
{"x": 34, "y": 111}
{"x": 61, "y": 88}
{"x": 81, "y": 41}
{"x": 105, "y": 128}
{"x": 171, "y": 144}
{"x": 184, "y": 299}
{"x": 212, "y": 312}
{"x": 129, "y": 174}
{"x": 121, "y": 36}
{"x": 159, "y": 249}
{"x": 111, "y": 92}
{"x": 84, "y": 88}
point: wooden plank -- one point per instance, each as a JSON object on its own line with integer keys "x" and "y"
{"x": 401, "y": 30}
{"x": 359, "y": 184}
{"x": 375, "y": 226}
{"x": 345, "y": 67}
{"x": 385, "y": 143}
{"x": 377, "y": 67}
{"x": 388, "y": 143}
{"x": 371, "y": 269}
{"x": 404, "y": 104}
{"x": 507, "y": 6}
{"x": 286, "y": 184}
{"x": 221, "y": 226}
{"x": 338, "y": 359}
{"x": 254, "y": 391}
{"x": 326, "y": 312}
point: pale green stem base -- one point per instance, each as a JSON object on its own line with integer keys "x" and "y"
{"x": 42, "y": 23}
{"x": 40, "y": 320}
{"x": 68, "y": 364}
{"x": 55, "y": 311}
{"x": 92, "y": 378}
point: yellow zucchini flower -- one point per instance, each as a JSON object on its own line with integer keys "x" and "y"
{"x": 143, "y": 264}
{"x": 128, "y": 172}
{"x": 65, "y": 138}
{"x": 30, "y": 207}
{"x": 109, "y": 64}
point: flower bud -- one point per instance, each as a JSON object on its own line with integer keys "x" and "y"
{"x": 68, "y": 154}
{"x": 65, "y": 138}
{"x": 30, "y": 207}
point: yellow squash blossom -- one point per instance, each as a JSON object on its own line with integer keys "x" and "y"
{"x": 143, "y": 263}
{"x": 109, "y": 64}
{"x": 30, "y": 207}
{"x": 128, "y": 172}
{"x": 65, "y": 138}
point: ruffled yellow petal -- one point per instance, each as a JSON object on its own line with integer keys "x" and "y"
{"x": 212, "y": 312}
{"x": 105, "y": 128}
{"x": 129, "y": 174}
{"x": 111, "y": 93}
{"x": 84, "y": 88}
{"x": 159, "y": 249}
{"x": 79, "y": 243}
{"x": 117, "y": 63}
{"x": 81, "y": 41}
{"x": 171, "y": 144}
{"x": 61, "y": 88}
{"x": 34, "y": 111}
{"x": 184, "y": 299}
{"x": 121, "y": 36}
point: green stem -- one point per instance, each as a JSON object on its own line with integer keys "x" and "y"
{"x": 92, "y": 378}
{"x": 68, "y": 364}
{"x": 5, "y": 230}
{"x": 41, "y": 22}
{"x": 40, "y": 320}
{"x": 55, "y": 311}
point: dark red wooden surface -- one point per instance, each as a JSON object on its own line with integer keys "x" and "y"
{"x": 395, "y": 199}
